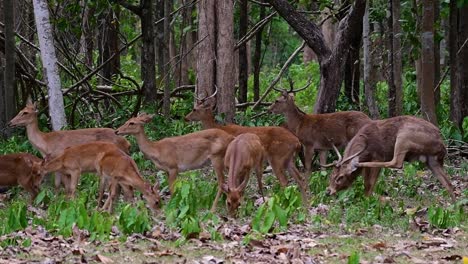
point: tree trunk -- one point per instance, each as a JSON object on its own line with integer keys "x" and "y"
{"x": 49, "y": 63}
{"x": 243, "y": 60}
{"x": 436, "y": 52}
{"x": 331, "y": 63}
{"x": 148, "y": 63}
{"x": 352, "y": 69}
{"x": 167, "y": 65}
{"x": 369, "y": 68}
{"x": 455, "y": 100}
{"x": 186, "y": 44}
{"x": 108, "y": 44}
{"x": 86, "y": 40}
{"x": 463, "y": 62}
{"x": 225, "y": 58}
{"x": 427, "y": 62}
{"x": 7, "y": 109}
{"x": 395, "y": 91}
{"x": 257, "y": 57}
{"x": 207, "y": 48}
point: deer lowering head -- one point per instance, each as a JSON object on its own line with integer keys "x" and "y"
{"x": 387, "y": 144}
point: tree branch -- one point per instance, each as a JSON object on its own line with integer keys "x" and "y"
{"x": 308, "y": 30}
{"x": 137, "y": 10}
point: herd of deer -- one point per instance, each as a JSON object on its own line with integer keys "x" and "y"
{"x": 369, "y": 145}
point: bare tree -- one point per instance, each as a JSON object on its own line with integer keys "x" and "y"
{"x": 243, "y": 58}
{"x": 207, "y": 47}
{"x": 331, "y": 60}
{"x": 427, "y": 63}
{"x": 49, "y": 62}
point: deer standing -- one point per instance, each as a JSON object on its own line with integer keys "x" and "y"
{"x": 280, "y": 145}
{"x": 181, "y": 153}
{"x": 387, "y": 144}
{"x": 21, "y": 169}
{"x": 243, "y": 154}
{"x": 318, "y": 131}
{"x": 110, "y": 163}
{"x": 53, "y": 143}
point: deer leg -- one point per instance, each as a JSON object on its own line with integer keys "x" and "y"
{"x": 218, "y": 166}
{"x": 102, "y": 186}
{"x": 323, "y": 157}
{"x": 294, "y": 172}
{"x": 278, "y": 170}
{"x": 127, "y": 193}
{"x": 397, "y": 161}
{"x": 171, "y": 179}
{"x": 259, "y": 175}
{"x": 370, "y": 176}
{"x": 109, "y": 204}
{"x": 58, "y": 181}
{"x": 74, "y": 177}
{"x": 437, "y": 169}
{"x": 308, "y": 157}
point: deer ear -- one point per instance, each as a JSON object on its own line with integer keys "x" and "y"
{"x": 354, "y": 163}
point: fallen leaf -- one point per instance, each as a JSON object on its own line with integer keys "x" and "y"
{"x": 104, "y": 259}
{"x": 379, "y": 246}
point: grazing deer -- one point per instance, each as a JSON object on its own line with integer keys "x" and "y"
{"x": 78, "y": 159}
{"x": 318, "y": 131}
{"x": 243, "y": 154}
{"x": 280, "y": 145}
{"x": 110, "y": 163}
{"x": 53, "y": 143}
{"x": 181, "y": 153}
{"x": 21, "y": 169}
{"x": 386, "y": 144}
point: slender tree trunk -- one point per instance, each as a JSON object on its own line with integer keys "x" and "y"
{"x": 455, "y": 96}
{"x": 243, "y": 60}
{"x": 86, "y": 40}
{"x": 352, "y": 69}
{"x": 225, "y": 59}
{"x": 7, "y": 109}
{"x": 206, "y": 55}
{"x": 436, "y": 51}
{"x": 369, "y": 68}
{"x": 49, "y": 63}
{"x": 167, "y": 65}
{"x": 427, "y": 62}
{"x": 397, "y": 93}
{"x": 463, "y": 61}
{"x": 257, "y": 57}
{"x": 108, "y": 44}
{"x": 148, "y": 62}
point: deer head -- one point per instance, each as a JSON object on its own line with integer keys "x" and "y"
{"x": 134, "y": 125}
{"x": 203, "y": 108}
{"x": 25, "y": 116}
{"x": 234, "y": 196}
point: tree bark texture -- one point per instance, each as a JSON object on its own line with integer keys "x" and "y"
{"x": 7, "y": 109}
{"x": 455, "y": 99}
{"x": 257, "y": 57}
{"x": 207, "y": 48}
{"x": 87, "y": 39}
{"x": 225, "y": 59}
{"x": 331, "y": 61}
{"x": 49, "y": 63}
{"x": 148, "y": 59}
{"x": 427, "y": 63}
{"x": 167, "y": 65}
{"x": 243, "y": 59}
{"x": 437, "y": 51}
{"x": 108, "y": 43}
{"x": 369, "y": 68}
{"x": 395, "y": 96}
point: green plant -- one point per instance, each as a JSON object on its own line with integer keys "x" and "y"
{"x": 134, "y": 219}
{"x": 279, "y": 208}
{"x": 446, "y": 217}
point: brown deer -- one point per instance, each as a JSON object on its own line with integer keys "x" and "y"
{"x": 109, "y": 162}
{"x": 386, "y": 144}
{"x": 21, "y": 169}
{"x": 181, "y": 153}
{"x": 53, "y": 143}
{"x": 318, "y": 131}
{"x": 75, "y": 160}
{"x": 280, "y": 145}
{"x": 243, "y": 154}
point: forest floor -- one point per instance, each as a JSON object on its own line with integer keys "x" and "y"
{"x": 305, "y": 242}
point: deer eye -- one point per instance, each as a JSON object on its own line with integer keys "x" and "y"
{"x": 131, "y": 123}
{"x": 24, "y": 113}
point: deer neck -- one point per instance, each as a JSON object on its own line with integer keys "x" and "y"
{"x": 37, "y": 137}
{"x": 209, "y": 122}
{"x": 143, "y": 141}
{"x": 294, "y": 117}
